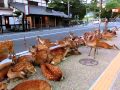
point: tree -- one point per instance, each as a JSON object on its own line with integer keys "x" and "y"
{"x": 76, "y": 7}
{"x": 112, "y": 4}
{"x": 93, "y": 7}
{"x": 105, "y": 12}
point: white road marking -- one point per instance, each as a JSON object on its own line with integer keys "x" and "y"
{"x": 77, "y": 29}
{"x": 44, "y": 35}
{"x": 22, "y": 33}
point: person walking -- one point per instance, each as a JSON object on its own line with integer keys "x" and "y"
{"x": 106, "y": 24}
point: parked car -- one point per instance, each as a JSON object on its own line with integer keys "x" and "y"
{"x": 96, "y": 21}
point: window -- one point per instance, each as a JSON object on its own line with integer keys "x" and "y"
{"x": 1, "y": 3}
{"x": 33, "y": 3}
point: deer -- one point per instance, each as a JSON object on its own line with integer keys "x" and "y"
{"x": 3, "y": 86}
{"x": 46, "y": 42}
{"x": 33, "y": 85}
{"x": 21, "y": 70}
{"x": 6, "y": 49}
{"x": 51, "y": 72}
{"x": 106, "y": 45}
{"x": 91, "y": 41}
{"x": 4, "y": 68}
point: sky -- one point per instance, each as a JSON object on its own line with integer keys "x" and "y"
{"x": 88, "y": 1}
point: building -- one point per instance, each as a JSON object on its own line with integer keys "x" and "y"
{"x": 37, "y": 14}
{"x": 5, "y": 12}
{"x": 38, "y": 2}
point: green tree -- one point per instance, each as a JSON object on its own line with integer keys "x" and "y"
{"x": 93, "y": 7}
{"x": 112, "y": 4}
{"x": 76, "y": 7}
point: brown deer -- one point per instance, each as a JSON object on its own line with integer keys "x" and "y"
{"x": 33, "y": 85}
{"x": 20, "y": 70}
{"x": 91, "y": 40}
{"x": 4, "y": 68}
{"x": 41, "y": 53}
{"x": 58, "y": 53}
{"x": 106, "y": 45}
{"x": 51, "y": 72}
{"x": 46, "y": 42}
{"x": 24, "y": 58}
{"x": 3, "y": 86}
{"x": 6, "y": 48}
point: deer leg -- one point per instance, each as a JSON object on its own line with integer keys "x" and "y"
{"x": 95, "y": 52}
{"x": 116, "y": 47}
{"x": 90, "y": 51}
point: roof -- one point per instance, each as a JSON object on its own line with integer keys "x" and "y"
{"x": 38, "y": 10}
{"x": 5, "y": 12}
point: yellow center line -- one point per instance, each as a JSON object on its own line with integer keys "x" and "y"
{"x": 105, "y": 81}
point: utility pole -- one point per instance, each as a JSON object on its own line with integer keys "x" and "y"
{"x": 86, "y": 10}
{"x": 100, "y": 10}
{"x": 68, "y": 4}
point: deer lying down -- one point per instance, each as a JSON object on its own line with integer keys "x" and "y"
{"x": 3, "y": 86}
{"x": 20, "y": 70}
{"x": 4, "y": 70}
{"x": 33, "y": 85}
{"x": 106, "y": 45}
{"x": 51, "y": 72}
{"x": 58, "y": 54}
{"x": 25, "y": 58}
{"x": 3, "y": 56}
{"x": 6, "y": 47}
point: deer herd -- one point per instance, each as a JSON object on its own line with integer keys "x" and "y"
{"x": 46, "y": 55}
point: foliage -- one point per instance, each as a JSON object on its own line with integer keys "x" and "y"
{"x": 76, "y": 7}
{"x": 112, "y": 4}
{"x": 17, "y": 13}
{"x": 93, "y": 7}
{"x": 106, "y": 13}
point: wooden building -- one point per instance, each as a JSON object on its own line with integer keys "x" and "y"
{"x": 34, "y": 14}
{"x": 39, "y": 16}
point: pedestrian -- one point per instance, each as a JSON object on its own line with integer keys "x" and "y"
{"x": 106, "y": 24}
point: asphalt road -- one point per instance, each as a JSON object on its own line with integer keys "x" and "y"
{"x": 52, "y": 34}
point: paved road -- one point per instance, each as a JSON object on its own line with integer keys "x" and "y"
{"x": 52, "y": 34}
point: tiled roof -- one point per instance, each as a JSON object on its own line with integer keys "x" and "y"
{"x": 38, "y": 10}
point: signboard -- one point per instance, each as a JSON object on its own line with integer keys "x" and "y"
{"x": 115, "y": 10}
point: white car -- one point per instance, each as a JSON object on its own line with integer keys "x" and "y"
{"x": 96, "y": 22}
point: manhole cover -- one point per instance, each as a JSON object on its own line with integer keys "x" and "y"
{"x": 88, "y": 62}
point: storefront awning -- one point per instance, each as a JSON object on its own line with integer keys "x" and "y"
{"x": 38, "y": 10}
